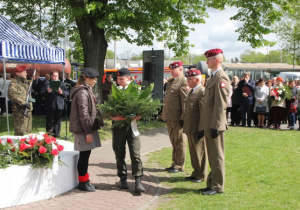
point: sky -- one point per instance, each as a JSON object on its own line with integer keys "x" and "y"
{"x": 217, "y": 32}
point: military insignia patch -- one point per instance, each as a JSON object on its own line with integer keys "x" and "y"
{"x": 222, "y": 84}
{"x": 187, "y": 87}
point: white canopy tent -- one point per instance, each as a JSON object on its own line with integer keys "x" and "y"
{"x": 18, "y": 44}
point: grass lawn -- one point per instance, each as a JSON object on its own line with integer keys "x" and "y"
{"x": 39, "y": 125}
{"x": 262, "y": 172}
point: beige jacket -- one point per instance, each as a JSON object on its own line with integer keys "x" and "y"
{"x": 215, "y": 102}
{"x": 174, "y": 99}
{"x": 192, "y": 108}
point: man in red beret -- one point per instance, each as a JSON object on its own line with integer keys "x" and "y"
{"x": 213, "y": 121}
{"x": 174, "y": 99}
{"x": 192, "y": 115}
{"x": 17, "y": 92}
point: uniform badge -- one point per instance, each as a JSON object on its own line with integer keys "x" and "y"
{"x": 187, "y": 87}
{"x": 222, "y": 84}
{"x": 172, "y": 91}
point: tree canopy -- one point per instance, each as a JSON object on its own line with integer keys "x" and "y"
{"x": 273, "y": 56}
{"x": 96, "y": 22}
{"x": 288, "y": 31}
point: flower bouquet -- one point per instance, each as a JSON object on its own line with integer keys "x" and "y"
{"x": 279, "y": 93}
{"x": 129, "y": 103}
{"x": 35, "y": 149}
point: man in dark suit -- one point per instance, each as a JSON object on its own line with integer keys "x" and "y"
{"x": 54, "y": 104}
{"x": 37, "y": 85}
{"x": 245, "y": 90}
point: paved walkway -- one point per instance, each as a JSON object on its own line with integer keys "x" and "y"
{"x": 102, "y": 170}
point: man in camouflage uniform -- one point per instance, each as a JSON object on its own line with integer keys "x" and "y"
{"x": 17, "y": 92}
{"x": 174, "y": 99}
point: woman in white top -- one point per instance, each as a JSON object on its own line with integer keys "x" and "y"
{"x": 261, "y": 95}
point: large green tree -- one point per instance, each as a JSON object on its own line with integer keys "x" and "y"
{"x": 288, "y": 32}
{"x": 273, "y": 56}
{"x": 96, "y": 22}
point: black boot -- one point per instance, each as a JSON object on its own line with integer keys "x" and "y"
{"x": 124, "y": 184}
{"x": 138, "y": 185}
{"x": 86, "y": 186}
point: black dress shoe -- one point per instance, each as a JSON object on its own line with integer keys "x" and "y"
{"x": 173, "y": 170}
{"x": 196, "y": 180}
{"x": 168, "y": 169}
{"x": 210, "y": 192}
{"x": 189, "y": 177}
{"x": 124, "y": 184}
{"x": 204, "y": 189}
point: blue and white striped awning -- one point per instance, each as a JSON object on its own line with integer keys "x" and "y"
{"x": 18, "y": 44}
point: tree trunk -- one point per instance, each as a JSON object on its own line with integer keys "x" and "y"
{"x": 94, "y": 44}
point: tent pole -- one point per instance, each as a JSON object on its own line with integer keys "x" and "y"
{"x": 66, "y": 106}
{"x": 6, "y": 90}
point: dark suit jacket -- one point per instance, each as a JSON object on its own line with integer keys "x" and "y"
{"x": 251, "y": 86}
{"x": 54, "y": 100}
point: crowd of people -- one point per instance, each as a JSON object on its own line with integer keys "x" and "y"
{"x": 193, "y": 112}
{"x": 263, "y": 104}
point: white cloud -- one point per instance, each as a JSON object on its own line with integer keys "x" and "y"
{"x": 217, "y": 32}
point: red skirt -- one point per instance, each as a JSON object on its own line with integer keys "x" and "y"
{"x": 277, "y": 113}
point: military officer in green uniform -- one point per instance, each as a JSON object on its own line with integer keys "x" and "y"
{"x": 123, "y": 135}
{"x": 192, "y": 115}
{"x": 17, "y": 92}
{"x": 172, "y": 113}
{"x": 213, "y": 121}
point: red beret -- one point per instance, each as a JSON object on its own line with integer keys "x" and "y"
{"x": 175, "y": 64}
{"x": 212, "y": 52}
{"x": 191, "y": 72}
{"x": 20, "y": 68}
{"x": 280, "y": 79}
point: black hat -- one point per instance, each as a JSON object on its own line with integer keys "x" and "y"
{"x": 123, "y": 72}
{"x": 89, "y": 72}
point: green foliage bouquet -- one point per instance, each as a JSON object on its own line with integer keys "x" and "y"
{"x": 39, "y": 151}
{"x": 129, "y": 103}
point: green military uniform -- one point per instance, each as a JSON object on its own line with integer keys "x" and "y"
{"x": 193, "y": 106}
{"x": 17, "y": 92}
{"x": 174, "y": 100}
{"x": 119, "y": 138}
{"x": 214, "y": 117}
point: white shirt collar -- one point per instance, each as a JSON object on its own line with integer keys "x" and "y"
{"x": 216, "y": 71}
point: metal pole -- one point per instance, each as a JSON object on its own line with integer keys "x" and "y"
{"x": 115, "y": 51}
{"x": 6, "y": 90}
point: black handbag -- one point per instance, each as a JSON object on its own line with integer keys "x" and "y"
{"x": 261, "y": 109}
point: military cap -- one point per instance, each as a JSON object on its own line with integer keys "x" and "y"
{"x": 89, "y": 72}
{"x": 123, "y": 72}
{"x": 192, "y": 72}
{"x": 280, "y": 79}
{"x": 212, "y": 52}
{"x": 175, "y": 64}
{"x": 20, "y": 68}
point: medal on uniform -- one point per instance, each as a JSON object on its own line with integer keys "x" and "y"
{"x": 172, "y": 91}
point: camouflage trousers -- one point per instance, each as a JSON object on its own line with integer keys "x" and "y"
{"x": 22, "y": 123}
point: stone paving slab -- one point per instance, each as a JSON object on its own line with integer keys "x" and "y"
{"x": 103, "y": 174}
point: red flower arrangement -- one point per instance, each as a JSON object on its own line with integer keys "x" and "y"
{"x": 36, "y": 150}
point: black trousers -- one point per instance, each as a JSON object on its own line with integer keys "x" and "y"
{"x": 235, "y": 114}
{"x": 246, "y": 109}
{"x": 83, "y": 162}
{"x": 53, "y": 121}
{"x": 2, "y": 105}
{"x": 120, "y": 137}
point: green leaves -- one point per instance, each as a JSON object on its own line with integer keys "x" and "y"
{"x": 115, "y": 92}
{"x": 129, "y": 103}
{"x": 146, "y": 93}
